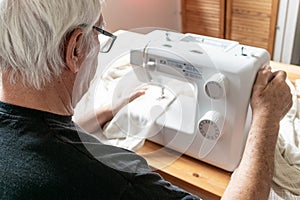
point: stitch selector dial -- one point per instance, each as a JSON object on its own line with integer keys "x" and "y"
{"x": 210, "y": 125}
{"x": 216, "y": 86}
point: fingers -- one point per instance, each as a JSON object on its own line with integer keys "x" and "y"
{"x": 279, "y": 77}
{"x": 132, "y": 97}
{"x": 137, "y": 94}
{"x": 270, "y": 94}
{"x": 264, "y": 76}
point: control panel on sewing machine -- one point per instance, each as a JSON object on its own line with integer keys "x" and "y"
{"x": 211, "y": 80}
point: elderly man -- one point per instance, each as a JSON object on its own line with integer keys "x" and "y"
{"x": 47, "y": 50}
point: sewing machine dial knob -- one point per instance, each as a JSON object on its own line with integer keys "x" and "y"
{"x": 210, "y": 125}
{"x": 216, "y": 86}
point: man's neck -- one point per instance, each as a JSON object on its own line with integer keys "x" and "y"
{"x": 54, "y": 98}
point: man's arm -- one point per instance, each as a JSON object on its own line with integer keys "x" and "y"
{"x": 271, "y": 99}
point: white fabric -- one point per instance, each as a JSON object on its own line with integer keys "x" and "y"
{"x": 135, "y": 121}
{"x": 286, "y": 181}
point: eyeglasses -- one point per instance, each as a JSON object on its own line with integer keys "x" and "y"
{"x": 107, "y": 40}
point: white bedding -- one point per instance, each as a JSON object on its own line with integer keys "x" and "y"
{"x": 286, "y": 181}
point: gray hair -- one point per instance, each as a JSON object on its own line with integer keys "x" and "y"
{"x": 33, "y": 35}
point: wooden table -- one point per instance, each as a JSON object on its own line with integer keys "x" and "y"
{"x": 204, "y": 180}
{"x": 199, "y": 178}
{"x": 292, "y": 71}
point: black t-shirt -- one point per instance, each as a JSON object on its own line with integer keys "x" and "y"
{"x": 47, "y": 156}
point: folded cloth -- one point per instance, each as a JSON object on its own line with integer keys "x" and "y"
{"x": 136, "y": 120}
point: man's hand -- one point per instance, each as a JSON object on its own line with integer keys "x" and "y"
{"x": 271, "y": 96}
{"x": 97, "y": 120}
{"x": 106, "y": 113}
{"x": 133, "y": 96}
{"x": 271, "y": 99}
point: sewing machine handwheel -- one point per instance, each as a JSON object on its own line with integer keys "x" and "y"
{"x": 216, "y": 86}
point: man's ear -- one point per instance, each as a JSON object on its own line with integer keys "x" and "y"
{"x": 74, "y": 51}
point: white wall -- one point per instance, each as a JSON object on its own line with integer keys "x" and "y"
{"x": 296, "y": 50}
{"x": 286, "y": 31}
{"x": 280, "y": 30}
{"x": 131, "y": 14}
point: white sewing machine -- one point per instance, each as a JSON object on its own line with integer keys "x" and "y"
{"x": 210, "y": 117}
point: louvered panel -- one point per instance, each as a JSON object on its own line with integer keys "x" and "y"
{"x": 250, "y": 26}
{"x": 202, "y": 3}
{"x": 252, "y": 22}
{"x": 203, "y": 27}
{"x": 209, "y": 16}
{"x": 246, "y": 27}
{"x": 252, "y": 4}
{"x": 202, "y": 6}
{"x": 248, "y": 22}
{"x": 261, "y": 42}
{"x": 254, "y": 13}
{"x": 251, "y": 40}
{"x": 201, "y": 24}
{"x": 212, "y": 32}
{"x": 204, "y": 17}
